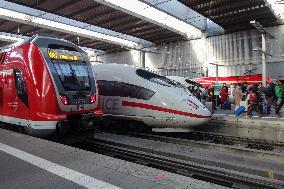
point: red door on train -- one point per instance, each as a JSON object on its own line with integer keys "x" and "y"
{"x": 21, "y": 101}
{"x": 7, "y": 93}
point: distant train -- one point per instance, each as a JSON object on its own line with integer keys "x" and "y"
{"x": 136, "y": 95}
{"x": 47, "y": 85}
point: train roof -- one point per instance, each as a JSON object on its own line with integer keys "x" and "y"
{"x": 33, "y": 39}
{"x": 123, "y": 72}
{"x": 122, "y": 67}
{"x": 116, "y": 66}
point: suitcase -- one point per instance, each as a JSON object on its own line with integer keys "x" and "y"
{"x": 264, "y": 108}
{"x": 227, "y": 105}
{"x": 244, "y": 104}
{"x": 240, "y": 110}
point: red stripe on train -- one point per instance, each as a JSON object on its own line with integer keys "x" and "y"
{"x": 161, "y": 109}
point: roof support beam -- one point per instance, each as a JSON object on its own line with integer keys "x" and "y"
{"x": 20, "y": 38}
{"x": 153, "y": 15}
{"x": 180, "y": 11}
{"x": 26, "y": 15}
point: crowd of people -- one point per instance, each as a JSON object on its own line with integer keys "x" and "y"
{"x": 258, "y": 98}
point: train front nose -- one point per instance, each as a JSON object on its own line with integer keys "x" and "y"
{"x": 200, "y": 114}
{"x": 205, "y": 116}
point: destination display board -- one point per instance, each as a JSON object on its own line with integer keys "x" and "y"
{"x": 66, "y": 55}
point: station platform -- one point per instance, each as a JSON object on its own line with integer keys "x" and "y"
{"x": 28, "y": 162}
{"x": 266, "y": 127}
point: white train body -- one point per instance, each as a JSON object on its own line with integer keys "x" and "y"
{"x": 132, "y": 93}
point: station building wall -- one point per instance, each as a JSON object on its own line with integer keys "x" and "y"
{"x": 195, "y": 58}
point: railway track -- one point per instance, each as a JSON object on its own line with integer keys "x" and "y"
{"x": 214, "y": 174}
{"x": 189, "y": 167}
{"x": 232, "y": 140}
{"x": 208, "y": 138}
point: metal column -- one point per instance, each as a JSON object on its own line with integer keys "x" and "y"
{"x": 217, "y": 72}
{"x": 263, "y": 59}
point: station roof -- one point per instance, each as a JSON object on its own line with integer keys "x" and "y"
{"x": 91, "y": 12}
{"x": 234, "y": 15}
{"x": 29, "y": 30}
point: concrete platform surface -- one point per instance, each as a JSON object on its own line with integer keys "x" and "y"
{"x": 265, "y": 127}
{"x": 27, "y": 162}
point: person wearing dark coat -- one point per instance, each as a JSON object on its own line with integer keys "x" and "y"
{"x": 269, "y": 92}
{"x": 212, "y": 97}
{"x": 253, "y": 97}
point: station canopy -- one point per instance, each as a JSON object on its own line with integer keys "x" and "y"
{"x": 123, "y": 23}
{"x": 93, "y": 13}
{"x": 235, "y": 15}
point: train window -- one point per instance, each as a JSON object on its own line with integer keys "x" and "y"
{"x": 118, "y": 89}
{"x": 106, "y": 88}
{"x": 70, "y": 66}
{"x": 2, "y": 57}
{"x": 155, "y": 78}
{"x": 139, "y": 92}
{"x": 113, "y": 88}
{"x": 20, "y": 85}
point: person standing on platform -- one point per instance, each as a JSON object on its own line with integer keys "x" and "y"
{"x": 244, "y": 88}
{"x": 238, "y": 95}
{"x": 262, "y": 99}
{"x": 224, "y": 96}
{"x": 279, "y": 97}
{"x": 212, "y": 97}
{"x": 253, "y": 98}
{"x": 269, "y": 92}
{"x": 227, "y": 88}
{"x": 204, "y": 95}
{"x": 197, "y": 93}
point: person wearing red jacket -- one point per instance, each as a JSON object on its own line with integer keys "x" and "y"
{"x": 224, "y": 96}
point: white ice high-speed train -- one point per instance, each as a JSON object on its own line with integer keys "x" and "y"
{"x": 135, "y": 94}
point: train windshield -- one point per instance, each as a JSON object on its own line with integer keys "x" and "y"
{"x": 70, "y": 67}
{"x": 159, "y": 79}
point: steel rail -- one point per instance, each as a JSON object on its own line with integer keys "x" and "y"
{"x": 266, "y": 144}
{"x": 218, "y": 175}
{"x": 240, "y": 149}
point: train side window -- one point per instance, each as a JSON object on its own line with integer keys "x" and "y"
{"x": 113, "y": 88}
{"x": 20, "y": 85}
{"x": 118, "y": 89}
{"x": 139, "y": 92}
{"x": 126, "y": 92}
{"x": 106, "y": 87}
{"x": 2, "y": 57}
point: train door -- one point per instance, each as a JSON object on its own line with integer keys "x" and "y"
{"x": 7, "y": 94}
{"x": 1, "y": 94}
{"x": 21, "y": 103}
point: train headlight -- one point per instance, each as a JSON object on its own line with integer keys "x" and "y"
{"x": 93, "y": 98}
{"x": 64, "y": 99}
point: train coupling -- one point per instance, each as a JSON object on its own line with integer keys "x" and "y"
{"x": 88, "y": 121}
{"x": 62, "y": 127}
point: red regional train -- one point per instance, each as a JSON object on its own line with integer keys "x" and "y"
{"x": 47, "y": 86}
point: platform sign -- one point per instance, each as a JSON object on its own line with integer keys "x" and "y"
{"x": 217, "y": 88}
